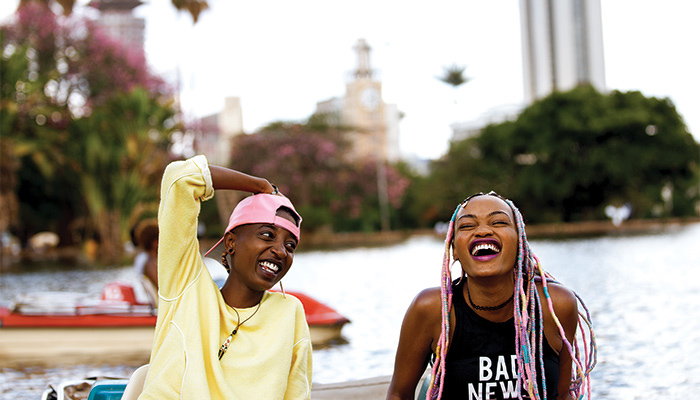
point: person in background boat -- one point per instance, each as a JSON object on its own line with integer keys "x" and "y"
{"x": 146, "y": 262}
{"x": 241, "y": 341}
{"x": 483, "y": 331}
{"x": 144, "y": 236}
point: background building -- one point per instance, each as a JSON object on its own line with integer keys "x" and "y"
{"x": 217, "y": 131}
{"x": 374, "y": 124}
{"x": 118, "y": 21}
{"x": 562, "y": 44}
{"x": 562, "y": 47}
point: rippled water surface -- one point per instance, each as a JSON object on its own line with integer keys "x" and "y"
{"x": 643, "y": 293}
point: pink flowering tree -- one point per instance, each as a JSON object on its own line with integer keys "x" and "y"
{"x": 88, "y": 123}
{"x": 193, "y": 7}
{"x": 308, "y": 164}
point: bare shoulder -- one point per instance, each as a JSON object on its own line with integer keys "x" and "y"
{"x": 425, "y": 311}
{"x": 427, "y": 302}
{"x": 564, "y": 301}
{"x": 423, "y": 319}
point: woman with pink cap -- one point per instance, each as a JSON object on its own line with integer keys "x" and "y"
{"x": 241, "y": 341}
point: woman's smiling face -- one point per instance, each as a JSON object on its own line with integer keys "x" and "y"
{"x": 263, "y": 254}
{"x": 486, "y": 237}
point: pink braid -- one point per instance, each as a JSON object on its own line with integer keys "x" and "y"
{"x": 528, "y": 315}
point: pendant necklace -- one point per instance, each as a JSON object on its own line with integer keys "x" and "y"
{"x": 228, "y": 340}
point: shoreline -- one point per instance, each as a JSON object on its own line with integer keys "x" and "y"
{"x": 313, "y": 241}
{"x": 561, "y": 230}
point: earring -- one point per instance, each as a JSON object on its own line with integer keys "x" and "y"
{"x": 224, "y": 262}
{"x": 282, "y": 287}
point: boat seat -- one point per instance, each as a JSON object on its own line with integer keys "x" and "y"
{"x": 107, "y": 389}
{"x": 135, "y": 385}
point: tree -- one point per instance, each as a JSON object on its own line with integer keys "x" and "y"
{"x": 9, "y": 204}
{"x": 570, "y": 154}
{"x": 194, "y": 7}
{"x": 307, "y": 162}
{"x": 121, "y": 155}
{"x": 454, "y": 76}
{"x": 88, "y": 123}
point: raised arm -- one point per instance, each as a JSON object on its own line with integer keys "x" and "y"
{"x": 185, "y": 185}
{"x": 420, "y": 331}
{"x": 225, "y": 178}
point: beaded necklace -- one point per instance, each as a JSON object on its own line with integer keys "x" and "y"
{"x": 228, "y": 340}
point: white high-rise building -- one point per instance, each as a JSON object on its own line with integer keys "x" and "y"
{"x": 562, "y": 44}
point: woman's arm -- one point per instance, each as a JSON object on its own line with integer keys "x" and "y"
{"x": 185, "y": 185}
{"x": 566, "y": 307}
{"x": 224, "y": 178}
{"x": 419, "y": 331}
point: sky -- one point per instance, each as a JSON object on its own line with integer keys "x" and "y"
{"x": 281, "y": 57}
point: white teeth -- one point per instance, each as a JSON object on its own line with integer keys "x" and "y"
{"x": 269, "y": 266}
{"x": 485, "y": 246}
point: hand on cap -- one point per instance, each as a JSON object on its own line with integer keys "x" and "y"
{"x": 273, "y": 189}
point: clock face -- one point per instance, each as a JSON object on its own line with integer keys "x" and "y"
{"x": 370, "y": 98}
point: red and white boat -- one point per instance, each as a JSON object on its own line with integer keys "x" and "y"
{"x": 50, "y": 327}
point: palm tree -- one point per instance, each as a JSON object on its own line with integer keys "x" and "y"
{"x": 454, "y": 76}
{"x": 105, "y": 152}
{"x": 9, "y": 205}
{"x": 121, "y": 155}
{"x": 194, "y": 7}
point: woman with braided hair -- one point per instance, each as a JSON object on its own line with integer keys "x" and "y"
{"x": 505, "y": 329}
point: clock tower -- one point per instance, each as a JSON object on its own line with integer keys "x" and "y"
{"x": 374, "y": 123}
{"x": 374, "y": 133}
{"x": 364, "y": 108}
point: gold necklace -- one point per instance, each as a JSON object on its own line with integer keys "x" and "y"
{"x": 228, "y": 340}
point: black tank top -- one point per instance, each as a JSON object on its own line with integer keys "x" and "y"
{"x": 481, "y": 363}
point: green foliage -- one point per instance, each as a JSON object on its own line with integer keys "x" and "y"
{"x": 307, "y": 162}
{"x": 412, "y": 213}
{"x": 121, "y": 153}
{"x": 88, "y": 124}
{"x": 569, "y": 155}
{"x": 454, "y": 76}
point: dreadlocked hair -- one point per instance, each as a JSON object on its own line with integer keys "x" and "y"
{"x": 529, "y": 325}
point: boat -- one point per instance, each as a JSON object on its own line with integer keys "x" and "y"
{"x": 63, "y": 327}
{"x": 374, "y": 388}
{"x": 325, "y": 324}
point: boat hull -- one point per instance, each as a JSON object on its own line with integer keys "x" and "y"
{"x": 42, "y": 346}
{"x": 20, "y": 347}
{"x": 110, "y": 331}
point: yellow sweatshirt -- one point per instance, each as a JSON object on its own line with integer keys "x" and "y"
{"x": 269, "y": 357}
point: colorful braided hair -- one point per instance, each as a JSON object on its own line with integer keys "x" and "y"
{"x": 529, "y": 327}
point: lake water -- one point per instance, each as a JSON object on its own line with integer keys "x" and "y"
{"x": 643, "y": 292}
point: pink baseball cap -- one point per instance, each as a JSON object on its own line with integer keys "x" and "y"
{"x": 262, "y": 208}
